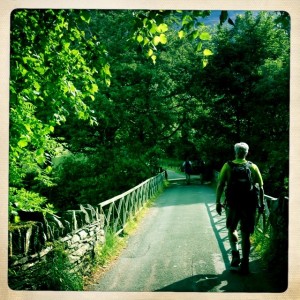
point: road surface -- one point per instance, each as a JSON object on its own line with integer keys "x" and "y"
{"x": 181, "y": 245}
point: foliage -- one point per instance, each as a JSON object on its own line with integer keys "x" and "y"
{"x": 272, "y": 245}
{"x": 119, "y": 90}
{"x": 90, "y": 179}
{"x": 21, "y": 199}
{"x": 56, "y": 274}
{"x": 151, "y": 28}
{"x": 52, "y": 78}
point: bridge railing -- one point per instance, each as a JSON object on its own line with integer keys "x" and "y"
{"x": 118, "y": 210}
{"x": 275, "y": 215}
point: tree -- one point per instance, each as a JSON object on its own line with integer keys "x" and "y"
{"x": 52, "y": 78}
{"x": 249, "y": 76}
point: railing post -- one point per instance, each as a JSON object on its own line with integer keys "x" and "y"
{"x": 120, "y": 208}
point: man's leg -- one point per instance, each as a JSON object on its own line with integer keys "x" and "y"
{"x": 188, "y": 178}
{"x": 233, "y": 239}
{"x": 231, "y": 224}
{"x": 245, "y": 252}
{"x": 247, "y": 227}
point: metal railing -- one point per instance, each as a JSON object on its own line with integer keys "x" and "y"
{"x": 275, "y": 209}
{"x": 262, "y": 219}
{"x": 118, "y": 210}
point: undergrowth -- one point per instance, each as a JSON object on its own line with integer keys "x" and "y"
{"x": 272, "y": 247}
{"x": 57, "y": 274}
{"x": 109, "y": 250}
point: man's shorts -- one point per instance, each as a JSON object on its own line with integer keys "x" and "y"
{"x": 244, "y": 216}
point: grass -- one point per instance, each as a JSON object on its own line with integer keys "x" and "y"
{"x": 56, "y": 272}
{"x": 110, "y": 249}
{"x": 60, "y": 276}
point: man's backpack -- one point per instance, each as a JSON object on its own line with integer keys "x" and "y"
{"x": 239, "y": 186}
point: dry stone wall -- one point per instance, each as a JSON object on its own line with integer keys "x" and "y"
{"x": 77, "y": 232}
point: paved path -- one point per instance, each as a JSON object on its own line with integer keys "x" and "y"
{"x": 181, "y": 245}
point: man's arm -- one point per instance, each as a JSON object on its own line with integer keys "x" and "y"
{"x": 261, "y": 196}
{"x": 220, "y": 188}
{"x": 259, "y": 180}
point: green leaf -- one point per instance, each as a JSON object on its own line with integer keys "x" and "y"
{"x": 85, "y": 16}
{"x": 94, "y": 88}
{"x": 181, "y": 34}
{"x": 66, "y": 46}
{"x": 48, "y": 169}
{"x": 156, "y": 40}
{"x": 162, "y": 28}
{"x": 186, "y": 20}
{"x": 195, "y": 34}
{"x": 75, "y": 52}
{"x": 40, "y": 152}
{"x": 205, "y": 36}
{"x": 150, "y": 52}
{"x": 139, "y": 38}
{"x": 23, "y": 70}
{"x": 204, "y": 62}
{"x": 145, "y": 22}
{"x": 37, "y": 85}
{"x": 153, "y": 28}
{"x": 40, "y": 160}
{"x": 199, "y": 47}
{"x": 106, "y": 70}
{"x": 28, "y": 128}
{"x": 41, "y": 70}
{"x": 146, "y": 41}
{"x": 163, "y": 38}
{"x": 207, "y": 52}
{"x": 22, "y": 143}
{"x": 223, "y": 16}
{"x": 153, "y": 57}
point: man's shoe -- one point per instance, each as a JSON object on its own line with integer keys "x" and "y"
{"x": 235, "y": 262}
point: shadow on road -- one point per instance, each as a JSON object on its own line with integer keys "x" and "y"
{"x": 183, "y": 194}
{"x": 225, "y": 282}
{"x": 218, "y": 224}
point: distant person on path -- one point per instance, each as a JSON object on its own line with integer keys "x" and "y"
{"x": 187, "y": 168}
{"x": 200, "y": 167}
{"x": 244, "y": 193}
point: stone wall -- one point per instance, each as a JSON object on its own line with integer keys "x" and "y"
{"x": 33, "y": 240}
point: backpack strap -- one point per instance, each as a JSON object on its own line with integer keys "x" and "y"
{"x": 231, "y": 163}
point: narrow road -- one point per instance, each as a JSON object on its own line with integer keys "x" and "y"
{"x": 181, "y": 245}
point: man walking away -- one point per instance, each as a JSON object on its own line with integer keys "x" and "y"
{"x": 187, "y": 167}
{"x": 244, "y": 189}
